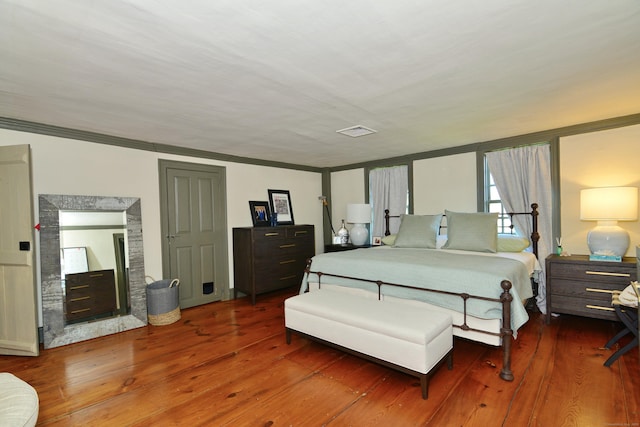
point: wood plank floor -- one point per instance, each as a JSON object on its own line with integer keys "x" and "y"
{"x": 227, "y": 363}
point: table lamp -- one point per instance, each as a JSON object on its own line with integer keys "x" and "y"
{"x": 359, "y": 214}
{"x": 608, "y": 205}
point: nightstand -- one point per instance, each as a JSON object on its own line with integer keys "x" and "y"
{"x": 581, "y": 287}
{"x": 340, "y": 248}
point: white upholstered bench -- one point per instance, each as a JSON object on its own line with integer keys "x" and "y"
{"x": 19, "y": 403}
{"x": 408, "y": 338}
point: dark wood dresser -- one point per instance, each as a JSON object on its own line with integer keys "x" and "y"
{"x": 270, "y": 258}
{"x": 578, "y": 286}
{"x": 90, "y": 295}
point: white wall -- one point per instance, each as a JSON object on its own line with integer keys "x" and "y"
{"x": 447, "y": 182}
{"x": 66, "y": 166}
{"x": 440, "y": 183}
{"x": 346, "y": 187}
{"x": 599, "y": 159}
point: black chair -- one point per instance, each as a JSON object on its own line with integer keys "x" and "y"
{"x": 629, "y": 317}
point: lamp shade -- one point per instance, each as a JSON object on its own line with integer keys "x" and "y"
{"x": 609, "y": 204}
{"x": 359, "y": 213}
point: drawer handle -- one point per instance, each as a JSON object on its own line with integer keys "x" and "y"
{"x": 288, "y": 277}
{"x": 292, "y": 245}
{"x": 73, "y": 288}
{"x": 289, "y": 261}
{"x": 604, "y": 291}
{"x": 80, "y": 311}
{"x": 604, "y": 273}
{"x": 301, "y": 232}
{"x": 96, "y": 275}
{"x": 271, "y": 234}
{"x": 597, "y": 307}
{"x": 79, "y": 299}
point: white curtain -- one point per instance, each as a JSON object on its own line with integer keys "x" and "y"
{"x": 523, "y": 176}
{"x": 388, "y": 190}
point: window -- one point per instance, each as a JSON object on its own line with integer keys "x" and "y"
{"x": 493, "y": 204}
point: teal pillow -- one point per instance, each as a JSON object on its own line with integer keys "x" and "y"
{"x": 476, "y": 232}
{"x": 418, "y": 231}
{"x": 512, "y": 243}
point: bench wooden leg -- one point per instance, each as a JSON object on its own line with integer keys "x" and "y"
{"x": 424, "y": 385}
{"x": 288, "y": 335}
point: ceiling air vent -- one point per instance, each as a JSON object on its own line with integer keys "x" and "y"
{"x": 356, "y": 131}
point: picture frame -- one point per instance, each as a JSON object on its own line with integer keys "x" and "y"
{"x": 280, "y": 203}
{"x": 260, "y": 213}
{"x": 377, "y": 241}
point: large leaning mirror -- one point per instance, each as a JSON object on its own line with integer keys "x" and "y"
{"x": 76, "y": 266}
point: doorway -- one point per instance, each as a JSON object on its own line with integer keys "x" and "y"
{"x": 194, "y": 230}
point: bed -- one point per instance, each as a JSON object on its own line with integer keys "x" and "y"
{"x": 454, "y": 263}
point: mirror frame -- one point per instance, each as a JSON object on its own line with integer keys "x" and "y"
{"x": 55, "y": 330}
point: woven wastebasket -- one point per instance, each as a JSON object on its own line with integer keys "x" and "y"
{"x": 163, "y": 301}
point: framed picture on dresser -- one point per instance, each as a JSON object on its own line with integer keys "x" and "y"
{"x": 260, "y": 213}
{"x": 280, "y": 202}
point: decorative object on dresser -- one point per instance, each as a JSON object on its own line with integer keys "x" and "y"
{"x": 343, "y": 234}
{"x": 260, "y": 213}
{"x": 359, "y": 214}
{"x": 270, "y": 258}
{"x": 579, "y": 286}
{"x": 280, "y": 202}
{"x": 90, "y": 295}
{"x": 608, "y": 205}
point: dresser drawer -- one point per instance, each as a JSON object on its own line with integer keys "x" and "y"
{"x": 282, "y": 250}
{"x": 268, "y": 234}
{"x": 88, "y": 306}
{"x": 304, "y": 232}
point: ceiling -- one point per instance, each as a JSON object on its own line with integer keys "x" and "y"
{"x": 275, "y": 79}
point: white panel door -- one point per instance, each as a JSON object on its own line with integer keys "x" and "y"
{"x": 18, "y": 317}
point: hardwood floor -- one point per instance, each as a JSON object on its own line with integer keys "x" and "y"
{"x": 227, "y": 363}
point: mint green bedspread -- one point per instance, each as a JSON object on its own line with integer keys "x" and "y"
{"x": 434, "y": 269}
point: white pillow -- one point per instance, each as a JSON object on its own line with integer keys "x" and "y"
{"x": 418, "y": 231}
{"x": 477, "y": 231}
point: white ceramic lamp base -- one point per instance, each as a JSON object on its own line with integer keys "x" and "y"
{"x": 609, "y": 240}
{"x": 359, "y": 235}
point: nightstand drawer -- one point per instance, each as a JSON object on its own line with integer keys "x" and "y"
{"x": 583, "y": 288}
{"x": 588, "y": 307}
{"x": 596, "y": 273}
